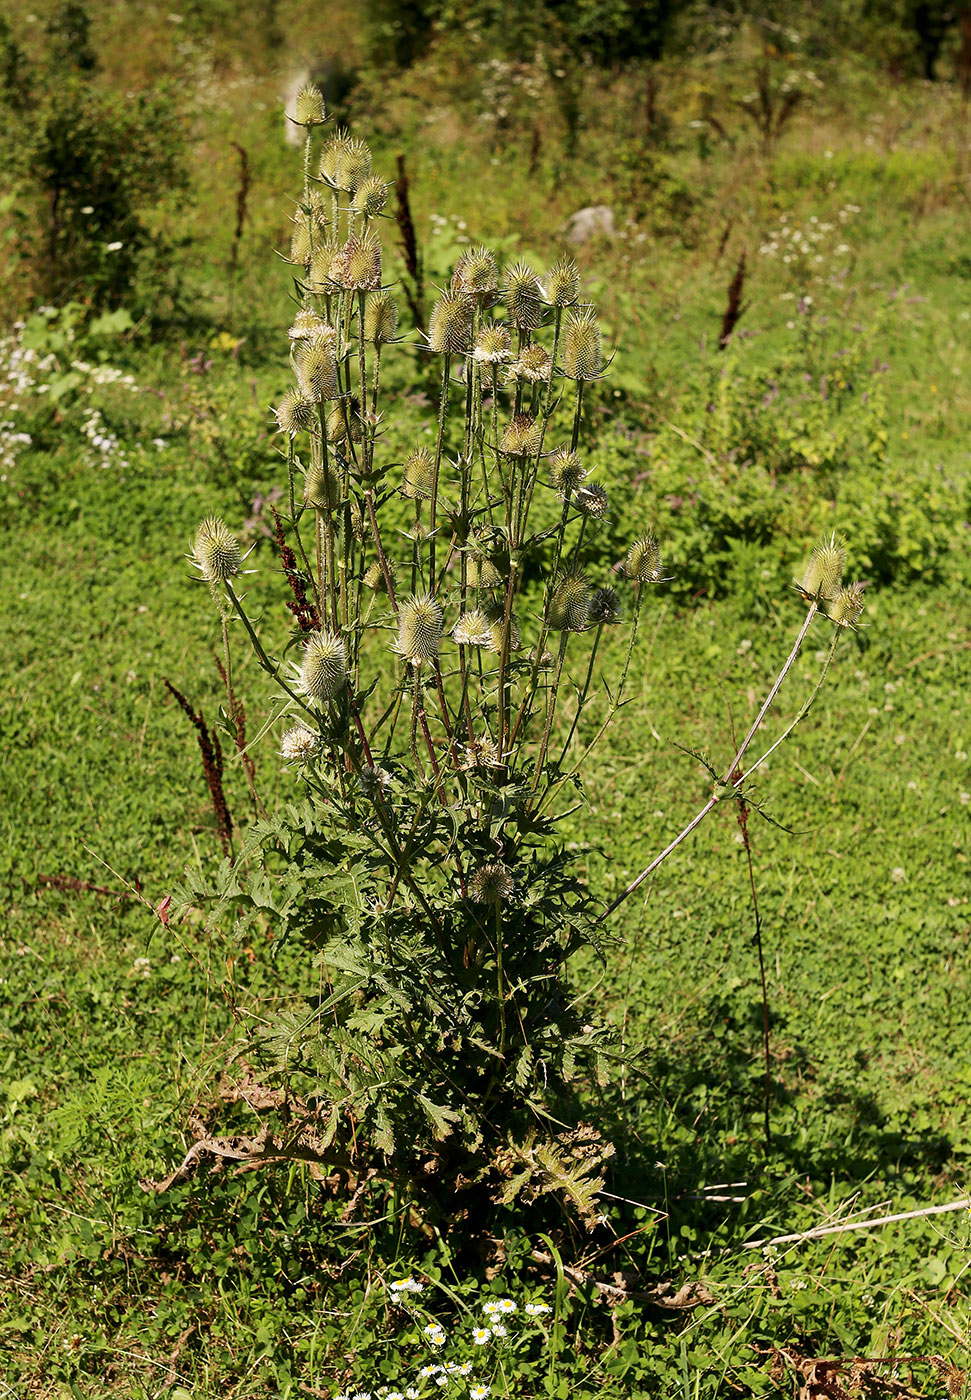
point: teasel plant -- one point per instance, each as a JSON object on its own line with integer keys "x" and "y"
{"x": 424, "y": 710}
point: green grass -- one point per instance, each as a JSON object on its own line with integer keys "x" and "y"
{"x": 113, "y": 1028}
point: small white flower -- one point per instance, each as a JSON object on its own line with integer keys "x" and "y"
{"x": 435, "y": 1334}
{"x": 412, "y": 1393}
{"x": 394, "y": 1395}
{"x": 479, "y": 1392}
{"x": 537, "y": 1309}
{"x": 87, "y": 208}
{"x": 113, "y": 247}
{"x": 427, "y": 1371}
{"x": 298, "y": 744}
{"x": 481, "y": 1335}
{"x": 498, "y": 1330}
{"x": 897, "y": 874}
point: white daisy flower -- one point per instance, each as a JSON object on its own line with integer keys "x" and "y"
{"x": 537, "y": 1309}
{"x": 481, "y": 1335}
{"x": 479, "y": 1392}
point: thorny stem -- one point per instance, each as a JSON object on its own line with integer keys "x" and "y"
{"x": 232, "y": 711}
{"x": 726, "y": 781}
{"x": 582, "y": 699}
{"x": 433, "y": 503}
{"x": 550, "y": 710}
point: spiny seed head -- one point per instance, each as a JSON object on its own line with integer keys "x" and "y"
{"x": 370, "y": 197}
{"x": 480, "y": 752}
{"x": 473, "y": 629}
{"x": 495, "y": 612}
{"x": 374, "y": 576}
{"x": 570, "y": 603}
{"x": 523, "y": 437}
{"x": 294, "y": 413}
{"x": 352, "y": 166}
{"x": 523, "y": 296}
{"x": 566, "y": 472}
{"x": 317, "y": 371}
{"x": 824, "y": 572}
{"x": 847, "y": 607}
{"x": 492, "y": 346}
{"x": 323, "y": 673}
{"x": 374, "y": 782}
{"x": 450, "y": 324}
{"x": 476, "y": 274}
{"x": 582, "y": 345}
{"x": 307, "y": 325}
{"x": 215, "y": 551}
{"x": 604, "y": 607}
{"x": 420, "y": 629}
{"x": 299, "y": 744}
{"x": 301, "y": 244}
{"x": 330, "y": 154}
{"x": 326, "y": 264}
{"x": 380, "y": 318}
{"x": 492, "y": 884}
{"x": 482, "y": 572}
{"x": 592, "y": 500}
{"x": 562, "y": 285}
{"x": 320, "y": 489}
{"x": 338, "y": 419}
{"x": 643, "y": 561}
{"x": 358, "y": 529}
{"x": 360, "y": 267}
{"x": 310, "y": 106}
{"x": 419, "y": 475}
{"x": 534, "y": 365}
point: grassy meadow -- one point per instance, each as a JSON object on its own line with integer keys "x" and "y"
{"x": 839, "y": 402}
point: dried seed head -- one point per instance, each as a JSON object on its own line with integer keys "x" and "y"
{"x": 299, "y": 744}
{"x": 420, "y": 629}
{"x": 847, "y": 607}
{"x": 523, "y": 296}
{"x": 309, "y": 109}
{"x": 582, "y": 345}
{"x": 566, "y": 472}
{"x": 374, "y": 576}
{"x": 360, "y": 265}
{"x": 450, "y": 324}
{"x": 323, "y": 673}
{"x": 492, "y": 884}
{"x": 824, "y": 573}
{"x": 523, "y": 437}
{"x": 380, "y": 318}
{"x": 476, "y": 274}
{"x": 326, "y": 266}
{"x": 570, "y": 604}
{"x": 352, "y": 166}
{"x": 370, "y": 197}
{"x": 338, "y": 419}
{"x": 215, "y": 551}
{"x": 419, "y": 475}
{"x": 294, "y": 414}
{"x": 643, "y": 561}
{"x": 592, "y": 500}
{"x": 473, "y": 629}
{"x": 604, "y": 607}
{"x": 534, "y": 365}
{"x": 480, "y": 752}
{"x": 481, "y": 572}
{"x": 307, "y": 325}
{"x": 492, "y": 346}
{"x": 320, "y": 489}
{"x": 495, "y": 612}
{"x": 301, "y": 243}
{"x": 331, "y": 153}
{"x": 562, "y": 285}
{"x": 317, "y": 367}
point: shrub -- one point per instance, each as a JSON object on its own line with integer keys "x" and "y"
{"x": 88, "y": 164}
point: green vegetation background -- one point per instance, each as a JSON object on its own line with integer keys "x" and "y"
{"x": 841, "y": 401}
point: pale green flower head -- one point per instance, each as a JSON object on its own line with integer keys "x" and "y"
{"x": 323, "y": 673}
{"x": 216, "y": 551}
